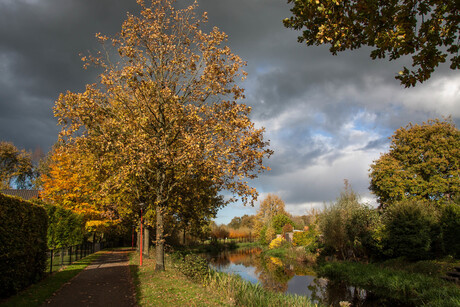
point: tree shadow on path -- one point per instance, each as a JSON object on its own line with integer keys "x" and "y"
{"x": 106, "y": 282}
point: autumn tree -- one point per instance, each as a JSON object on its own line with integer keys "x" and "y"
{"x": 423, "y": 163}
{"x": 165, "y": 110}
{"x": 246, "y": 221}
{"x": 16, "y": 168}
{"x": 279, "y": 221}
{"x": 195, "y": 205}
{"x": 235, "y": 223}
{"x": 271, "y": 206}
{"x": 427, "y": 30}
{"x": 73, "y": 183}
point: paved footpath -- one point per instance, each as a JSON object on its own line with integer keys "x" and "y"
{"x": 106, "y": 282}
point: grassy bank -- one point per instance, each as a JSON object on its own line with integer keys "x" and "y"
{"x": 411, "y": 288}
{"x": 244, "y": 293}
{"x": 170, "y": 288}
{"x": 201, "y": 287}
{"x": 36, "y": 294}
{"x": 216, "y": 247}
{"x": 290, "y": 253}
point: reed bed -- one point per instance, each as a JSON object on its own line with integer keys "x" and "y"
{"x": 245, "y": 293}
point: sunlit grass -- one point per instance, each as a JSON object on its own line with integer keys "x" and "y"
{"x": 170, "y": 288}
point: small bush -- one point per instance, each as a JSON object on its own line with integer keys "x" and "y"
{"x": 309, "y": 239}
{"x": 191, "y": 265}
{"x": 409, "y": 229}
{"x": 347, "y": 226}
{"x": 450, "y": 229}
{"x": 287, "y": 228}
{"x": 277, "y": 243}
{"x": 279, "y": 221}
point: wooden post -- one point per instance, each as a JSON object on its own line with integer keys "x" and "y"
{"x": 141, "y": 250}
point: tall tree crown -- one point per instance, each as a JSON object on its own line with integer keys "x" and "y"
{"x": 166, "y": 113}
{"x": 423, "y": 163}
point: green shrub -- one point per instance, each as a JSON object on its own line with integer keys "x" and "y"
{"x": 23, "y": 244}
{"x": 276, "y": 243}
{"x": 410, "y": 229}
{"x": 450, "y": 229}
{"x": 191, "y": 265}
{"x": 309, "y": 239}
{"x": 65, "y": 227}
{"x": 279, "y": 221}
{"x": 262, "y": 235}
{"x": 362, "y": 229}
{"x": 348, "y": 227}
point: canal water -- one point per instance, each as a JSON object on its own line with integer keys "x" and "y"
{"x": 291, "y": 278}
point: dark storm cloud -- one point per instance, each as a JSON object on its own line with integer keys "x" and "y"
{"x": 377, "y": 144}
{"x": 328, "y": 117}
{"x": 40, "y": 43}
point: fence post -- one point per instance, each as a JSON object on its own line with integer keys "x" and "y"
{"x": 51, "y": 261}
{"x": 81, "y": 251}
{"x": 70, "y": 255}
{"x": 62, "y": 256}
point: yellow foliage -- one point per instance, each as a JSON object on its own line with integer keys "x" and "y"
{"x": 276, "y": 243}
{"x": 276, "y": 261}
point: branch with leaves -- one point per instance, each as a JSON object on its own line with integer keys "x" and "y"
{"x": 427, "y": 30}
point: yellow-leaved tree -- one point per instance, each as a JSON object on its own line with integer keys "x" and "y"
{"x": 72, "y": 182}
{"x": 165, "y": 110}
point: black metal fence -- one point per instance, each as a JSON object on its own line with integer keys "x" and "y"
{"x": 67, "y": 255}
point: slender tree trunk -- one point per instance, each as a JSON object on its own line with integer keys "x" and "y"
{"x": 183, "y": 239}
{"x": 159, "y": 249}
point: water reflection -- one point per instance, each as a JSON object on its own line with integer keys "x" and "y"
{"x": 293, "y": 278}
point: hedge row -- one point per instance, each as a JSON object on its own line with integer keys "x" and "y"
{"x": 65, "y": 227}
{"x": 23, "y": 248}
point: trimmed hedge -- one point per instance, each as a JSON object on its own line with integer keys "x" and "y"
{"x": 23, "y": 248}
{"x": 65, "y": 227}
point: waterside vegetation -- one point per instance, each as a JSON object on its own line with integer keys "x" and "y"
{"x": 407, "y": 287}
{"x": 189, "y": 280}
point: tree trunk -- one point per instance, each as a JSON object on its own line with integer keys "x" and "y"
{"x": 159, "y": 249}
{"x": 183, "y": 238}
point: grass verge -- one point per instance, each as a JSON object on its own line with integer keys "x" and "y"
{"x": 411, "y": 288}
{"x": 36, "y": 294}
{"x": 170, "y": 288}
{"x": 200, "y": 287}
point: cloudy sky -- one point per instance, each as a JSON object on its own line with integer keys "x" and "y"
{"x": 327, "y": 117}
